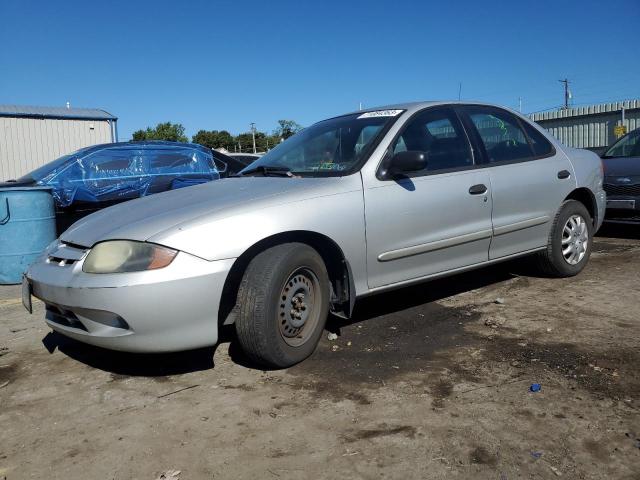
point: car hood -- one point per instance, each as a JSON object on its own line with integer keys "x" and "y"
{"x": 621, "y": 166}
{"x": 147, "y": 217}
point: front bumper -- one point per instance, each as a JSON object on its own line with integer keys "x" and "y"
{"x": 623, "y": 209}
{"x": 170, "y": 309}
{"x": 623, "y": 200}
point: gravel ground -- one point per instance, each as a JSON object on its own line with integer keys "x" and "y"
{"x": 427, "y": 382}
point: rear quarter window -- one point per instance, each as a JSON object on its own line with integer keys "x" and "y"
{"x": 541, "y": 146}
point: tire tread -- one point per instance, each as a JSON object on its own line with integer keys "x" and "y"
{"x": 544, "y": 260}
{"x": 252, "y": 303}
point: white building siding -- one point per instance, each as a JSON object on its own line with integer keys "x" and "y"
{"x": 590, "y": 127}
{"x": 27, "y": 143}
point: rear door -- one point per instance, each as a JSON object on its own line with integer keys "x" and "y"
{"x": 434, "y": 220}
{"x": 529, "y": 178}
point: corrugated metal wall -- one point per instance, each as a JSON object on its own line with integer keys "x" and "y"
{"x": 592, "y": 126}
{"x": 27, "y": 143}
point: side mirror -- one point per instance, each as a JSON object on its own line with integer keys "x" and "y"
{"x": 406, "y": 162}
{"x": 220, "y": 165}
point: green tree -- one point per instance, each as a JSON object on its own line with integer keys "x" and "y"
{"x": 214, "y": 139}
{"x": 244, "y": 141}
{"x": 172, "y": 132}
{"x": 287, "y": 128}
{"x": 264, "y": 142}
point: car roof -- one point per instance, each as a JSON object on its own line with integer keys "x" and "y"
{"x": 146, "y": 144}
{"x": 415, "y": 106}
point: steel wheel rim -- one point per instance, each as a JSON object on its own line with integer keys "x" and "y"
{"x": 575, "y": 239}
{"x": 298, "y": 308}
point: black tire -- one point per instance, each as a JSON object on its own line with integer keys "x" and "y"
{"x": 270, "y": 290}
{"x": 551, "y": 261}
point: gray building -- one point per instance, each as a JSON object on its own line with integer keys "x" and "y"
{"x": 33, "y": 136}
{"x": 591, "y": 127}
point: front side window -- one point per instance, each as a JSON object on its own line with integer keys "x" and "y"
{"x": 500, "y": 133}
{"x": 627, "y": 146}
{"x": 439, "y": 134}
{"x": 106, "y": 166}
{"x": 330, "y": 148}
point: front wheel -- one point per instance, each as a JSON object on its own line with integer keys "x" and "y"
{"x": 569, "y": 245}
{"x": 283, "y": 303}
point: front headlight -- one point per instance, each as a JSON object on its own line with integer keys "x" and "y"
{"x": 119, "y": 256}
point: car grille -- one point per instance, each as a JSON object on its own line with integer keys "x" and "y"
{"x": 622, "y": 190}
{"x": 66, "y": 254}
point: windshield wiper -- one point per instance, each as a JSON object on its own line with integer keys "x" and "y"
{"x": 266, "y": 171}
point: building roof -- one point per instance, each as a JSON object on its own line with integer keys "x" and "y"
{"x": 29, "y": 111}
{"x": 586, "y": 110}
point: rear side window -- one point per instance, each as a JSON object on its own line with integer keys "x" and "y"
{"x": 176, "y": 161}
{"x": 503, "y": 138}
{"x": 439, "y": 134}
{"x": 167, "y": 161}
{"x": 541, "y": 146}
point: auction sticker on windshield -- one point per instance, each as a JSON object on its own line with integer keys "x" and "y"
{"x": 381, "y": 113}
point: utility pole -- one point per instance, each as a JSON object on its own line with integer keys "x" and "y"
{"x": 520, "y": 104}
{"x": 459, "y": 91}
{"x": 567, "y": 93}
{"x": 253, "y": 135}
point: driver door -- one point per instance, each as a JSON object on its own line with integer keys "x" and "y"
{"x": 434, "y": 220}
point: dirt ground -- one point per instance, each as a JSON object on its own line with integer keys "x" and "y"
{"x": 427, "y": 382}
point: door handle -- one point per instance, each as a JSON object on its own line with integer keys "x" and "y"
{"x": 478, "y": 189}
{"x": 564, "y": 174}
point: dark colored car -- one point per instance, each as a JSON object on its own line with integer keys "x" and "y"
{"x": 99, "y": 176}
{"x": 246, "y": 158}
{"x": 230, "y": 164}
{"x": 622, "y": 179}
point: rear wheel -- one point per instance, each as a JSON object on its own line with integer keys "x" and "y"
{"x": 569, "y": 245}
{"x": 283, "y": 303}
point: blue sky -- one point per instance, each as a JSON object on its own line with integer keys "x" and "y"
{"x": 221, "y": 65}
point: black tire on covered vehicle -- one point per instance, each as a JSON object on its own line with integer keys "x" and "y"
{"x": 570, "y": 239}
{"x": 283, "y": 303}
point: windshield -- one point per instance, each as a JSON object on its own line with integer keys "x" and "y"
{"x": 330, "y": 148}
{"x": 627, "y": 146}
{"x": 45, "y": 170}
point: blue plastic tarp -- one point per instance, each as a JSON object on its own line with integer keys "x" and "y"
{"x": 126, "y": 171}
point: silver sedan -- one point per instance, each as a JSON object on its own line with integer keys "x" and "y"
{"x": 351, "y": 206}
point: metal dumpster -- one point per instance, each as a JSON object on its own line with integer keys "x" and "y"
{"x": 27, "y": 226}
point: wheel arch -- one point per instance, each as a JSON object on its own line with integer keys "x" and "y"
{"x": 343, "y": 292}
{"x": 588, "y": 199}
